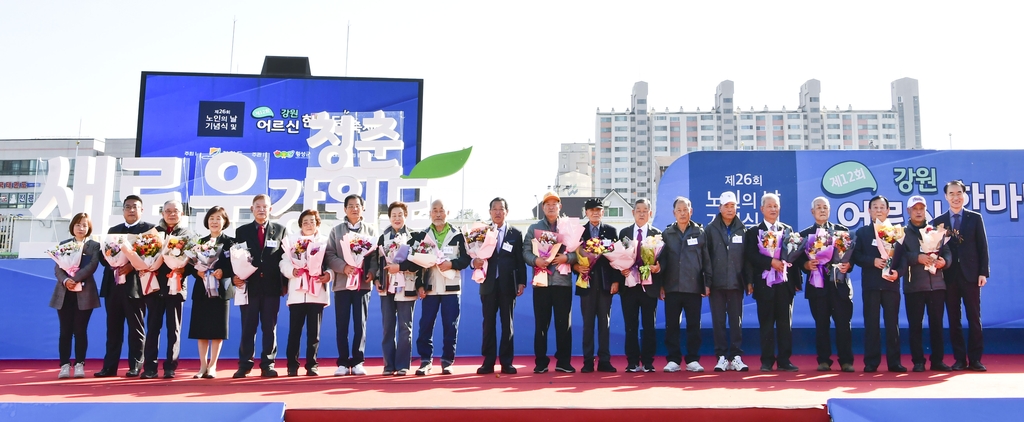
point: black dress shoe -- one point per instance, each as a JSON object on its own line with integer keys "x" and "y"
{"x": 148, "y": 375}
{"x": 587, "y": 369}
{"x": 540, "y": 369}
{"x": 918, "y": 367}
{"x": 941, "y": 366}
{"x": 132, "y": 373}
{"x": 268, "y": 373}
{"x": 977, "y": 366}
{"x": 293, "y": 372}
{"x": 568, "y": 369}
{"x": 104, "y": 373}
{"x": 605, "y": 367}
{"x": 788, "y": 367}
{"x": 169, "y": 373}
{"x": 870, "y": 369}
{"x": 847, "y": 367}
{"x": 485, "y": 370}
{"x": 898, "y": 368}
{"x": 959, "y": 365}
{"x": 509, "y": 370}
{"x": 766, "y": 368}
{"x": 241, "y": 373}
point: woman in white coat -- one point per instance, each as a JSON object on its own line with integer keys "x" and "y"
{"x": 306, "y": 298}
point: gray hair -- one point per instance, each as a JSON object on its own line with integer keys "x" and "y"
{"x": 177, "y": 204}
{"x": 683, "y": 200}
{"x": 642, "y": 201}
{"x": 820, "y": 199}
{"x": 768, "y": 196}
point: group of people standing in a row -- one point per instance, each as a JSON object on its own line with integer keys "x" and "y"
{"x": 721, "y": 261}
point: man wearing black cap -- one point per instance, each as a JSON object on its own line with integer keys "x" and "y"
{"x": 596, "y": 301}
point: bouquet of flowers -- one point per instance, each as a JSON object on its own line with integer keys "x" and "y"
{"x": 68, "y": 256}
{"x": 241, "y": 265}
{"x": 112, "y": 247}
{"x": 175, "y": 257}
{"x": 587, "y": 256}
{"x": 650, "y": 248}
{"x": 570, "y": 235}
{"x": 932, "y": 239}
{"x": 480, "y": 242}
{"x": 426, "y": 254}
{"x": 307, "y": 256}
{"x": 623, "y": 257}
{"x": 888, "y": 236}
{"x": 146, "y": 253}
{"x": 820, "y": 247}
{"x": 794, "y": 246}
{"x": 355, "y": 247}
{"x": 769, "y": 245}
{"x": 206, "y": 256}
{"x": 546, "y": 246}
{"x": 395, "y": 251}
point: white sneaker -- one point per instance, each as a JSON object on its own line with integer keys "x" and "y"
{"x": 358, "y": 370}
{"x": 672, "y": 367}
{"x": 80, "y": 370}
{"x": 722, "y": 365}
{"x": 341, "y": 371}
{"x": 65, "y": 371}
{"x": 694, "y": 367}
{"x": 738, "y": 365}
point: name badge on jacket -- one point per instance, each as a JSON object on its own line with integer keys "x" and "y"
{"x": 271, "y": 244}
{"x": 737, "y": 239}
{"x": 874, "y": 242}
{"x": 448, "y": 250}
{"x": 507, "y": 247}
{"x": 691, "y": 241}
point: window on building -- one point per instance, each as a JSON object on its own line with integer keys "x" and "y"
{"x": 674, "y": 150}
{"x": 606, "y": 150}
{"x": 888, "y": 126}
{"x": 867, "y": 117}
{"x": 606, "y": 120}
{"x": 796, "y": 147}
{"x": 707, "y": 138}
{"x": 760, "y": 137}
{"x": 747, "y": 127}
{"x": 606, "y": 160}
{"x": 606, "y": 170}
{"x": 673, "y": 119}
{"x": 621, "y": 180}
{"x": 691, "y": 118}
{"x": 816, "y": 120}
{"x": 727, "y": 100}
{"x": 641, "y": 132}
{"x": 747, "y": 137}
{"x": 707, "y": 117}
{"x": 746, "y": 117}
{"x": 618, "y": 129}
{"x": 793, "y": 116}
{"x": 814, "y": 99}
{"x": 661, "y": 138}
{"x": 641, "y": 101}
{"x": 793, "y": 137}
{"x": 778, "y": 138}
{"x": 691, "y": 139}
{"x": 674, "y": 139}
{"x": 847, "y": 127}
{"x": 660, "y": 117}
{"x": 727, "y": 122}
{"x": 674, "y": 129}
{"x": 691, "y": 128}
{"x": 620, "y": 149}
{"x": 888, "y": 136}
{"x": 660, "y": 149}
{"x": 642, "y": 122}
{"x": 760, "y": 118}
{"x": 661, "y": 128}
{"x": 707, "y": 148}
{"x": 888, "y": 116}
{"x": 832, "y": 116}
{"x": 621, "y": 119}
{"x": 606, "y": 180}
{"x": 831, "y": 126}
{"x": 707, "y": 127}
{"x": 622, "y": 170}
{"x": 867, "y": 127}
{"x": 777, "y": 127}
{"x": 831, "y": 136}
{"x": 606, "y": 129}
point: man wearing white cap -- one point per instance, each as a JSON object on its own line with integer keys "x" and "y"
{"x": 725, "y": 246}
{"x": 923, "y": 289}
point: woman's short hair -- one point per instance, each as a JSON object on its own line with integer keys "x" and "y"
{"x": 214, "y": 211}
{"x": 77, "y": 218}
{"x": 314, "y": 213}
{"x": 400, "y": 204}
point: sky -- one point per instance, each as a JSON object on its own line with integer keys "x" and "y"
{"x": 516, "y": 79}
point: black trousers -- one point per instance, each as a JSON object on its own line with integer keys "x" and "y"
{"x": 677, "y": 304}
{"x": 831, "y": 306}
{"x": 548, "y": 300}
{"x": 639, "y": 309}
{"x": 351, "y": 305}
{"x": 261, "y": 312}
{"x": 74, "y": 322}
{"x": 161, "y": 308}
{"x": 596, "y": 306}
{"x": 935, "y": 301}
{"x": 889, "y": 301}
{"x": 727, "y": 303}
{"x": 775, "y": 316}
{"x": 311, "y": 315}
{"x": 122, "y": 309}
{"x": 498, "y": 306}
{"x": 966, "y": 291}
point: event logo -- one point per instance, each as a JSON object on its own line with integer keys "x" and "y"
{"x": 261, "y": 112}
{"x": 284, "y": 154}
{"x": 848, "y": 177}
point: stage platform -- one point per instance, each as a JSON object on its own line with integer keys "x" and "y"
{"x": 799, "y": 396}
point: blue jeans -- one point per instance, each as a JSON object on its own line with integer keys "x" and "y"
{"x": 449, "y": 306}
{"x": 397, "y": 351}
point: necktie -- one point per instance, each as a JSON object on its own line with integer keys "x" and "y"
{"x": 956, "y": 221}
{"x": 593, "y": 232}
{"x": 639, "y": 241}
{"x": 501, "y": 238}
{"x": 260, "y": 236}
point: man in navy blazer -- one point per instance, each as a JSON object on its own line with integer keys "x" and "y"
{"x": 965, "y": 276}
{"x": 596, "y": 301}
{"x": 879, "y": 290}
{"x": 640, "y": 303}
{"x": 506, "y": 279}
{"x": 264, "y": 288}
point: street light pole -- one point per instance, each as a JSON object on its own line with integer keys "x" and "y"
{"x": 950, "y": 141}
{"x": 536, "y": 210}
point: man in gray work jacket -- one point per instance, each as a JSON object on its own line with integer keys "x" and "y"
{"x": 686, "y": 276}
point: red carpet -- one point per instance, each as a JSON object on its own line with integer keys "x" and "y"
{"x": 751, "y": 395}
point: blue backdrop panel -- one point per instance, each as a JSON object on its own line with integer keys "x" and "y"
{"x": 944, "y": 409}
{"x": 154, "y": 412}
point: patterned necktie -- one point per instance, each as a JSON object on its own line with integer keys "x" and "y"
{"x": 260, "y": 236}
{"x": 956, "y": 222}
{"x": 639, "y": 241}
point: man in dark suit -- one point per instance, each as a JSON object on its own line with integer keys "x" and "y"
{"x": 124, "y": 301}
{"x": 639, "y": 303}
{"x": 163, "y": 304}
{"x": 506, "y": 279}
{"x": 264, "y": 288}
{"x": 833, "y": 299}
{"x": 775, "y": 302}
{"x": 596, "y": 301}
{"x": 879, "y": 290}
{"x": 965, "y": 276}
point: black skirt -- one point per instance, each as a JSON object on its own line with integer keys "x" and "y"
{"x": 209, "y": 315}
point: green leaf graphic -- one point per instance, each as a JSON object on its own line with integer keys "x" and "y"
{"x": 440, "y": 165}
{"x": 847, "y": 177}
